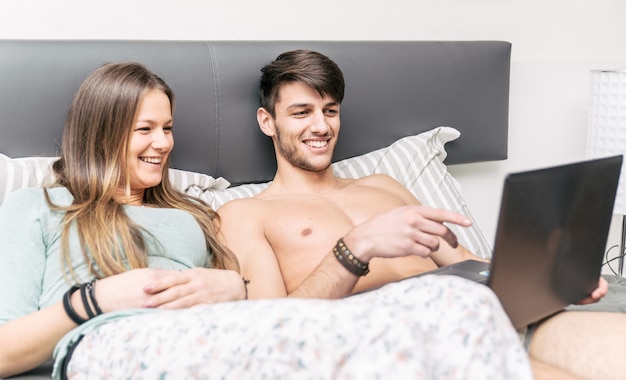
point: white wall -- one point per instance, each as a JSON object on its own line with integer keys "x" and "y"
{"x": 555, "y": 45}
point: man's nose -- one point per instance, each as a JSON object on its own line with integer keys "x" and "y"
{"x": 319, "y": 123}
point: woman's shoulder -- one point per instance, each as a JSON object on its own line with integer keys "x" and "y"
{"x": 35, "y": 196}
{"x": 28, "y": 195}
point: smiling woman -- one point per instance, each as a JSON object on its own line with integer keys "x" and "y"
{"x": 150, "y": 144}
{"x": 82, "y": 233}
{"x": 125, "y": 110}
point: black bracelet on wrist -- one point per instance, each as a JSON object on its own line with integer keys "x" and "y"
{"x": 67, "y": 305}
{"x": 245, "y": 285}
{"x": 349, "y": 261}
{"x": 83, "y": 296}
{"x": 91, "y": 287}
{"x": 88, "y": 296}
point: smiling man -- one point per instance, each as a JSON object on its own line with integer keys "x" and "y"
{"x": 330, "y": 237}
{"x": 291, "y": 227}
{"x": 313, "y": 235}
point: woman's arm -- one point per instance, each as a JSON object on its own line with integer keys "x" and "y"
{"x": 25, "y": 342}
{"x": 28, "y": 341}
{"x": 32, "y": 318}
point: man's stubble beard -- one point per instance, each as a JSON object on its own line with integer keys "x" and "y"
{"x": 290, "y": 154}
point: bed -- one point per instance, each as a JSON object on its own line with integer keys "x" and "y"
{"x": 411, "y": 108}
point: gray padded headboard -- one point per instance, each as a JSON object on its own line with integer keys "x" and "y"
{"x": 393, "y": 89}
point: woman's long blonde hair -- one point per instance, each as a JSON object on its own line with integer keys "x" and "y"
{"x": 92, "y": 167}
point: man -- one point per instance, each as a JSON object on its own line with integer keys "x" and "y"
{"x": 330, "y": 237}
{"x": 305, "y": 130}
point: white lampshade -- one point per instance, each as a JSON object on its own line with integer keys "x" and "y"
{"x": 606, "y": 132}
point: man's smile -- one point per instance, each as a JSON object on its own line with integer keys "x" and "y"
{"x": 316, "y": 143}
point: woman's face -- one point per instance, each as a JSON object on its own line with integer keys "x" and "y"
{"x": 151, "y": 141}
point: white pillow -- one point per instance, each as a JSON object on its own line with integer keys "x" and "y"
{"x": 414, "y": 161}
{"x": 17, "y": 173}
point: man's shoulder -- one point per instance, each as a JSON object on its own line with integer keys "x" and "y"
{"x": 244, "y": 217}
{"x": 243, "y": 202}
{"x": 377, "y": 180}
{"x": 242, "y": 206}
{"x": 388, "y": 185}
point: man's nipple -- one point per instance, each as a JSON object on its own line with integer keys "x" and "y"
{"x": 306, "y": 232}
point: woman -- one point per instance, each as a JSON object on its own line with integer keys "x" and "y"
{"x": 112, "y": 216}
{"x": 111, "y": 213}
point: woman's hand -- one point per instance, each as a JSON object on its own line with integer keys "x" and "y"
{"x": 124, "y": 290}
{"x": 190, "y": 287}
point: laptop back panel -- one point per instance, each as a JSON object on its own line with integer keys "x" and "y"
{"x": 551, "y": 237}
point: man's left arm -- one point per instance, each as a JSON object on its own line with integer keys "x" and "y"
{"x": 447, "y": 254}
{"x": 597, "y": 294}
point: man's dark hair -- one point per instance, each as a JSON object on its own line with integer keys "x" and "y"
{"x": 315, "y": 70}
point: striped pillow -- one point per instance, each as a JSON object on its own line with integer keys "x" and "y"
{"x": 17, "y": 173}
{"x": 414, "y": 161}
{"x": 417, "y": 163}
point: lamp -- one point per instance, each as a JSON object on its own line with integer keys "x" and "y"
{"x": 606, "y": 132}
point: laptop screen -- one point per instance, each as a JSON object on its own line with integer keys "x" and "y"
{"x": 551, "y": 236}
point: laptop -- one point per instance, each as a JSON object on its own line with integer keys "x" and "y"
{"x": 550, "y": 239}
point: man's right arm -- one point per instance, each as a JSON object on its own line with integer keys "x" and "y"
{"x": 241, "y": 230}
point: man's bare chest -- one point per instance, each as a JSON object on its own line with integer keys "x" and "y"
{"x": 310, "y": 224}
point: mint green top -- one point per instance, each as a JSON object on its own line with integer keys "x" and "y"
{"x": 30, "y": 263}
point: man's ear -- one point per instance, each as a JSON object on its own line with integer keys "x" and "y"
{"x": 266, "y": 122}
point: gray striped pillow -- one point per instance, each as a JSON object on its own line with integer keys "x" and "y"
{"x": 17, "y": 173}
{"x": 417, "y": 163}
{"x": 414, "y": 161}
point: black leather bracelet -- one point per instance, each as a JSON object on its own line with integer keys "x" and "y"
{"x": 91, "y": 286}
{"x": 86, "y": 305}
{"x": 67, "y": 305}
{"x": 348, "y": 260}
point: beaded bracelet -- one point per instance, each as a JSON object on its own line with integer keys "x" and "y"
{"x": 348, "y": 260}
